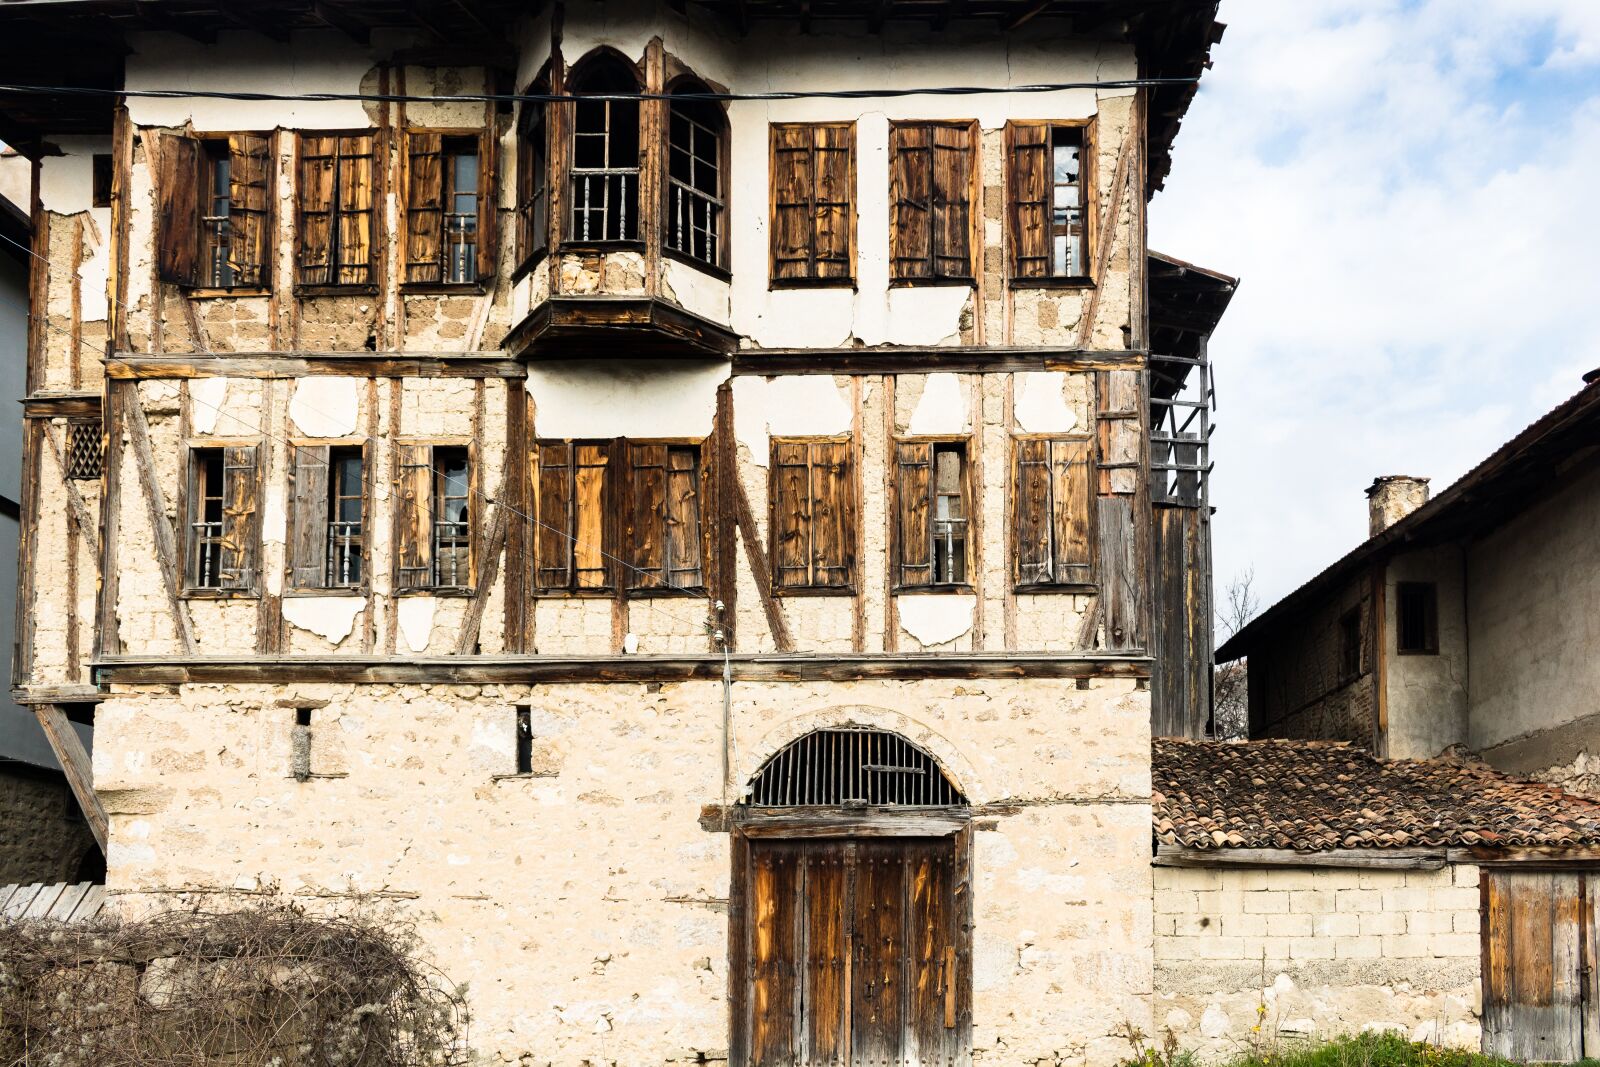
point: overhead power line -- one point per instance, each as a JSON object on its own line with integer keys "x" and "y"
{"x": 512, "y": 98}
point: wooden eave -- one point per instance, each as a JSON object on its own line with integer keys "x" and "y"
{"x": 1394, "y": 859}
{"x": 628, "y": 327}
{"x": 1187, "y": 303}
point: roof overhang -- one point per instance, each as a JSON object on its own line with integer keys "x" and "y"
{"x": 1187, "y": 303}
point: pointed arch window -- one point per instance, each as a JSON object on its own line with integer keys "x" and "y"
{"x": 852, "y": 766}
{"x": 604, "y": 170}
{"x": 696, "y": 176}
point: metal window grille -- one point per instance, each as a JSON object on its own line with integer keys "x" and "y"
{"x": 1068, "y": 246}
{"x": 343, "y": 566}
{"x": 84, "y": 451}
{"x": 208, "y": 544}
{"x": 852, "y": 766}
{"x": 605, "y": 171}
{"x": 344, "y": 555}
{"x": 694, "y": 187}
{"x": 461, "y": 217}
{"x": 949, "y": 517}
{"x": 215, "y": 225}
{"x": 452, "y": 529}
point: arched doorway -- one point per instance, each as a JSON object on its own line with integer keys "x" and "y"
{"x": 850, "y": 913}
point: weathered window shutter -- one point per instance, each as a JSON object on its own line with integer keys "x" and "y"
{"x": 488, "y": 215}
{"x": 308, "y": 517}
{"x": 553, "y": 485}
{"x": 1070, "y": 493}
{"x": 413, "y": 512}
{"x": 1053, "y": 494}
{"x": 953, "y": 152}
{"x": 813, "y": 192}
{"x": 240, "y": 544}
{"x": 533, "y": 185}
{"x": 178, "y": 210}
{"x": 315, "y": 209}
{"x": 833, "y": 547}
{"x": 591, "y": 568}
{"x": 249, "y": 208}
{"x": 791, "y": 514}
{"x": 1028, "y": 213}
{"x": 684, "y": 548}
{"x": 910, "y": 201}
{"x": 913, "y": 495}
{"x": 356, "y": 244}
{"x": 1033, "y": 512}
{"x": 647, "y": 493}
{"x": 424, "y": 246}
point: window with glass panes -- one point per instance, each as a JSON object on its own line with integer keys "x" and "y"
{"x": 695, "y": 197}
{"x": 452, "y": 541}
{"x": 605, "y": 157}
{"x": 345, "y": 499}
{"x": 1048, "y": 212}
{"x": 215, "y": 232}
{"x": 461, "y": 209}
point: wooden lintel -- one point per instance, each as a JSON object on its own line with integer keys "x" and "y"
{"x": 74, "y": 760}
{"x": 61, "y": 406}
{"x": 1396, "y": 859}
{"x": 966, "y": 360}
{"x": 538, "y": 670}
{"x": 845, "y": 822}
{"x": 1526, "y": 856}
{"x": 127, "y": 365}
{"x": 57, "y": 694}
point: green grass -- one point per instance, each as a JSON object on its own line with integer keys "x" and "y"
{"x": 1367, "y": 1050}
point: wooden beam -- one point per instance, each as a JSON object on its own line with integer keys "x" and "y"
{"x": 992, "y": 359}
{"x": 1394, "y": 859}
{"x": 881, "y": 822}
{"x": 759, "y": 570}
{"x": 531, "y": 670}
{"x": 155, "y": 502}
{"x": 61, "y": 406}
{"x": 334, "y": 17}
{"x": 129, "y": 365}
{"x": 1526, "y": 856}
{"x": 57, "y": 694}
{"x": 467, "y": 640}
{"x": 75, "y": 501}
{"x": 74, "y": 760}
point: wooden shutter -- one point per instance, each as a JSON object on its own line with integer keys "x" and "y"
{"x": 308, "y": 517}
{"x": 488, "y": 215}
{"x": 951, "y": 224}
{"x": 793, "y": 161}
{"x": 553, "y": 486}
{"x": 1070, "y": 493}
{"x": 249, "y": 208}
{"x": 913, "y": 489}
{"x": 533, "y": 224}
{"x": 240, "y": 543}
{"x": 911, "y": 201}
{"x": 178, "y": 210}
{"x": 791, "y": 515}
{"x": 835, "y": 202}
{"x": 1052, "y": 498}
{"x": 356, "y": 216}
{"x": 591, "y": 569}
{"x": 315, "y": 209}
{"x": 1028, "y": 210}
{"x": 424, "y": 207}
{"x": 647, "y": 509}
{"x": 1533, "y": 966}
{"x": 684, "y": 536}
{"x": 413, "y": 517}
{"x": 833, "y": 541}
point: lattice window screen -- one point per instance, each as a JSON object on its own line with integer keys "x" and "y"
{"x": 852, "y": 766}
{"x": 83, "y": 451}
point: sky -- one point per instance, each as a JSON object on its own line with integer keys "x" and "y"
{"x": 1409, "y": 193}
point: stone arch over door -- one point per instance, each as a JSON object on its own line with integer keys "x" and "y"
{"x": 850, "y": 910}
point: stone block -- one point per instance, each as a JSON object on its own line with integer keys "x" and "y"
{"x": 1266, "y": 903}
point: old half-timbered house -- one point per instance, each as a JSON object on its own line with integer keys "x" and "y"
{"x": 660, "y": 492}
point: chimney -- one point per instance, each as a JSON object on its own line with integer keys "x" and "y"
{"x": 1391, "y": 498}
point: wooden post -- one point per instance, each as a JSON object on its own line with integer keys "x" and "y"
{"x": 75, "y": 764}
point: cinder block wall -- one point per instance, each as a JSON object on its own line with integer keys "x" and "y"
{"x": 1303, "y": 952}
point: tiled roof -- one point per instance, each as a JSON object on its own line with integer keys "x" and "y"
{"x": 1319, "y": 795}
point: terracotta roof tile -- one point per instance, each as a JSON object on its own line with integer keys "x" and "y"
{"x": 1318, "y": 795}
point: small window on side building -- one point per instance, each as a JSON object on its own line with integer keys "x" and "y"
{"x": 1417, "y": 618}
{"x": 1350, "y": 644}
{"x": 101, "y": 180}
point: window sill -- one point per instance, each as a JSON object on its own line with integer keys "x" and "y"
{"x": 442, "y": 594}
{"x": 601, "y": 246}
{"x": 220, "y": 594}
{"x": 1051, "y": 283}
{"x": 812, "y": 283}
{"x": 343, "y": 592}
{"x": 816, "y": 590}
{"x": 687, "y": 592}
{"x": 524, "y": 776}
{"x": 1416, "y": 651}
{"x": 210, "y": 293}
{"x": 960, "y": 589}
{"x": 443, "y": 289}
{"x": 1076, "y": 588}
{"x": 366, "y": 289}
{"x": 528, "y": 265}
{"x": 926, "y": 283}
{"x": 720, "y": 273}
{"x": 575, "y": 594}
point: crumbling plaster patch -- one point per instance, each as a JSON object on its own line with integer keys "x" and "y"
{"x": 797, "y": 405}
{"x": 329, "y": 617}
{"x": 207, "y": 400}
{"x": 626, "y": 398}
{"x": 942, "y": 408}
{"x": 935, "y": 619}
{"x": 1041, "y": 403}
{"x": 415, "y": 616}
{"x": 325, "y": 406}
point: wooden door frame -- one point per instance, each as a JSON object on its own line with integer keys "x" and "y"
{"x": 750, "y": 824}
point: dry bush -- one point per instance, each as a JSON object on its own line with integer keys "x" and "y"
{"x": 264, "y": 986}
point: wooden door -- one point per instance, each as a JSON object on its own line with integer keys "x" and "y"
{"x": 1534, "y": 965}
{"x": 854, "y": 955}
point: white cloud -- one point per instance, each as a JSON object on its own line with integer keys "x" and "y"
{"x": 1406, "y": 190}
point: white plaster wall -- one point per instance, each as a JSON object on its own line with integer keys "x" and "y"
{"x": 1533, "y": 612}
{"x": 1427, "y": 694}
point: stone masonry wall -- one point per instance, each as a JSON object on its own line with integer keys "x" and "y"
{"x": 1304, "y": 952}
{"x": 586, "y": 904}
{"x": 42, "y": 836}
